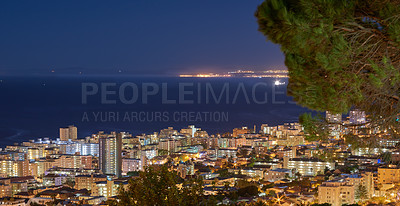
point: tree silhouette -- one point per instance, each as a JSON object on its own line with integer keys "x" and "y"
{"x": 339, "y": 53}
{"x": 158, "y": 186}
{"x": 361, "y": 193}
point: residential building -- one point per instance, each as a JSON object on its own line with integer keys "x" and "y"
{"x": 68, "y": 133}
{"x": 336, "y": 193}
{"x": 307, "y": 166}
{"x": 110, "y": 158}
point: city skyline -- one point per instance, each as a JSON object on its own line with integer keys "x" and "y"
{"x": 270, "y": 158}
{"x": 228, "y": 102}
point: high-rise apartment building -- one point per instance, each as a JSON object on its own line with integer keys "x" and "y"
{"x": 110, "y": 154}
{"x": 70, "y": 132}
{"x": 13, "y": 168}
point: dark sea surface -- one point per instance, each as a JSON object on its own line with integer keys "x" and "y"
{"x": 37, "y": 106}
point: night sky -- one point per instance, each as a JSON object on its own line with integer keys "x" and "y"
{"x": 136, "y": 37}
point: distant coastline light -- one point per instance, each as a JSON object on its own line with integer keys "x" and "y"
{"x": 277, "y": 82}
{"x": 243, "y": 73}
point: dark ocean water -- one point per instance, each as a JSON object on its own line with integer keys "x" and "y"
{"x": 34, "y": 107}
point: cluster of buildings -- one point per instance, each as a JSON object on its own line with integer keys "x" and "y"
{"x": 277, "y": 159}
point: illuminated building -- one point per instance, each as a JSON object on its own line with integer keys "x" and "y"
{"x": 389, "y": 175}
{"x": 54, "y": 180}
{"x": 185, "y": 169}
{"x": 240, "y": 131}
{"x": 90, "y": 149}
{"x": 12, "y": 202}
{"x": 226, "y": 152}
{"x": 130, "y": 164}
{"x": 223, "y": 142}
{"x": 170, "y": 145}
{"x": 270, "y": 130}
{"x": 5, "y": 187}
{"x": 14, "y": 168}
{"x": 291, "y": 153}
{"x": 39, "y": 167}
{"x": 86, "y": 161}
{"x": 277, "y": 174}
{"x": 253, "y": 172}
{"x": 7, "y": 167}
{"x": 107, "y": 188}
{"x": 201, "y": 133}
{"x": 307, "y": 166}
{"x": 74, "y": 161}
{"x": 239, "y": 142}
{"x": 388, "y": 142}
{"x": 357, "y": 117}
{"x": 22, "y": 168}
{"x": 33, "y": 153}
{"x": 291, "y": 140}
{"x": 73, "y": 132}
{"x": 336, "y": 193}
{"x": 190, "y": 130}
{"x": 110, "y": 158}
{"x": 51, "y": 151}
{"x": 20, "y": 184}
{"x": 150, "y": 153}
{"x": 86, "y": 181}
{"x": 81, "y": 147}
{"x": 169, "y": 132}
{"x": 93, "y": 200}
{"x": 265, "y": 129}
{"x": 70, "y": 132}
{"x": 12, "y": 155}
{"x": 335, "y": 123}
{"x": 333, "y": 118}
{"x": 366, "y": 179}
{"x": 212, "y": 142}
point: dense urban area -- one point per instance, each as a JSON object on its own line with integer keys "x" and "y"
{"x": 267, "y": 165}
